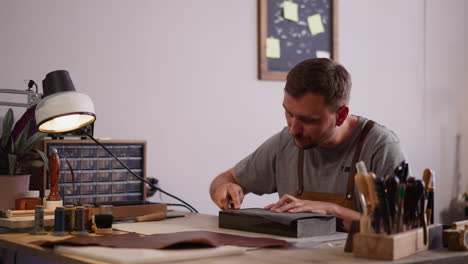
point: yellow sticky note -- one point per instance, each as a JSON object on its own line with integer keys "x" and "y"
{"x": 315, "y": 24}
{"x": 291, "y": 11}
{"x": 273, "y": 48}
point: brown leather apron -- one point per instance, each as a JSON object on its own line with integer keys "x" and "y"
{"x": 345, "y": 200}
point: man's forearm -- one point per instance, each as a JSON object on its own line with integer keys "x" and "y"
{"x": 346, "y": 214}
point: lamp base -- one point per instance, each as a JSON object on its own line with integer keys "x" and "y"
{"x": 52, "y": 204}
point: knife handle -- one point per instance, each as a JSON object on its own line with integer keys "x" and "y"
{"x": 151, "y": 217}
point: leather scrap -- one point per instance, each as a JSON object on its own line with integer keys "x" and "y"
{"x": 179, "y": 240}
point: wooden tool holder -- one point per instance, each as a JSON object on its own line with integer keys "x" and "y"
{"x": 389, "y": 247}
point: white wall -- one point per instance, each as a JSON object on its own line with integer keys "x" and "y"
{"x": 182, "y": 75}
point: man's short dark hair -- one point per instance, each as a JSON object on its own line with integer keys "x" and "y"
{"x": 323, "y": 77}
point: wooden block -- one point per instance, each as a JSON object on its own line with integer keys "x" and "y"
{"x": 22, "y": 222}
{"x": 460, "y": 225}
{"x": 458, "y": 240}
{"x": 448, "y": 234}
{"x": 389, "y": 247}
{"x": 307, "y": 227}
{"x": 355, "y": 228}
{"x": 135, "y": 210}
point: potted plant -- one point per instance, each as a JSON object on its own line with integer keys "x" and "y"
{"x": 18, "y": 156}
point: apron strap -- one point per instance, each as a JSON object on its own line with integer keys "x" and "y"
{"x": 300, "y": 173}
{"x": 357, "y": 153}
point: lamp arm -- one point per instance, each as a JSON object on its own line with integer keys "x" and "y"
{"x": 137, "y": 176}
{"x": 32, "y": 97}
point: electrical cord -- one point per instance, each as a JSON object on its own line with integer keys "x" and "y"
{"x": 182, "y": 205}
{"x": 139, "y": 177}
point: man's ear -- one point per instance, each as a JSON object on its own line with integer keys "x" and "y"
{"x": 342, "y": 115}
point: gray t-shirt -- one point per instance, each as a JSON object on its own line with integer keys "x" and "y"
{"x": 273, "y": 166}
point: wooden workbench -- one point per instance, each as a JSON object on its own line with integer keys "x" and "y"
{"x": 19, "y": 243}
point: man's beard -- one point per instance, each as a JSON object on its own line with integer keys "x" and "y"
{"x": 308, "y": 143}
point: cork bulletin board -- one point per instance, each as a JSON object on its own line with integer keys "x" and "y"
{"x": 294, "y": 30}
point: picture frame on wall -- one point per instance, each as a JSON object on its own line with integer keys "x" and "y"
{"x": 290, "y": 31}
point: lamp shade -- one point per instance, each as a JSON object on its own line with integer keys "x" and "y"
{"x": 63, "y": 109}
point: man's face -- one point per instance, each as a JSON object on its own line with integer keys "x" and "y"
{"x": 311, "y": 122}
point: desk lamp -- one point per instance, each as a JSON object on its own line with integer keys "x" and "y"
{"x": 63, "y": 109}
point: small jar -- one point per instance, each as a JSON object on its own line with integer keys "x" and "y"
{"x": 28, "y": 201}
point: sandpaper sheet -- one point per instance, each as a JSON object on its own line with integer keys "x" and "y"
{"x": 191, "y": 239}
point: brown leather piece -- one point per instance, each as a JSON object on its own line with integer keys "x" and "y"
{"x": 190, "y": 239}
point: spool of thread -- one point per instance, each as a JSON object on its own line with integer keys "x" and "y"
{"x": 106, "y": 209}
{"x": 59, "y": 221}
{"x": 69, "y": 218}
{"x": 80, "y": 219}
{"x": 51, "y": 205}
{"x": 38, "y": 221}
{"x": 88, "y": 216}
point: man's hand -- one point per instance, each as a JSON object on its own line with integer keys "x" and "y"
{"x": 228, "y": 196}
{"x": 289, "y": 203}
{"x": 226, "y": 191}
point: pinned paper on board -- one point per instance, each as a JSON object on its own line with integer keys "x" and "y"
{"x": 322, "y": 54}
{"x": 315, "y": 24}
{"x": 291, "y": 11}
{"x": 273, "y": 48}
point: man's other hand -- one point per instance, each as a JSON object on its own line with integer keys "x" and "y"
{"x": 289, "y": 203}
{"x": 228, "y": 196}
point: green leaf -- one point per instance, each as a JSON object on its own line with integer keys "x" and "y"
{"x": 7, "y": 125}
{"x": 32, "y": 163}
{"x": 44, "y": 159}
{"x": 19, "y": 143}
{"x": 33, "y": 141}
{"x": 11, "y": 164}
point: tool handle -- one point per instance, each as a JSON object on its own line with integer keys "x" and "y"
{"x": 370, "y": 178}
{"x": 151, "y": 217}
